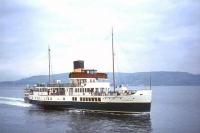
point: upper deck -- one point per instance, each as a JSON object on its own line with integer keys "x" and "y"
{"x": 88, "y": 75}
{"x": 81, "y": 73}
{"x": 87, "y": 81}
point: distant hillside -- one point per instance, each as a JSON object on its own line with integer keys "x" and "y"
{"x": 158, "y": 78}
{"x": 139, "y": 78}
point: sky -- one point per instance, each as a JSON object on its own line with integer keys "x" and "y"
{"x": 149, "y": 35}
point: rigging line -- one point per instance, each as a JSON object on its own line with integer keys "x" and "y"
{"x": 150, "y": 80}
{"x": 52, "y": 77}
{"x": 117, "y": 64}
{"x": 50, "y": 66}
{"x": 49, "y": 57}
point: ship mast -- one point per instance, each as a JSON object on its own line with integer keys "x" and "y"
{"x": 150, "y": 79}
{"x": 49, "y": 55}
{"x": 113, "y": 61}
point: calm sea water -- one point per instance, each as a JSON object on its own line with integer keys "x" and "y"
{"x": 174, "y": 110}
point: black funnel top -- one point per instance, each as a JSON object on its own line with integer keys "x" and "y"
{"x": 78, "y": 64}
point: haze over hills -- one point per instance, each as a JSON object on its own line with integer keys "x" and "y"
{"x": 139, "y": 78}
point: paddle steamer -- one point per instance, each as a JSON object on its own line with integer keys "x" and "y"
{"x": 89, "y": 90}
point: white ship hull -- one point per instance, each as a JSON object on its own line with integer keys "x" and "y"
{"x": 140, "y": 101}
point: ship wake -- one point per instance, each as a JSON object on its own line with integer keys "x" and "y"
{"x": 14, "y": 101}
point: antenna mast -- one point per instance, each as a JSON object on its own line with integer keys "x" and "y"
{"x": 49, "y": 55}
{"x": 113, "y": 61}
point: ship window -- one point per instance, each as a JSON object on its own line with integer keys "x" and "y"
{"x": 95, "y": 99}
{"x": 75, "y": 89}
{"x": 92, "y": 99}
{"x": 63, "y": 98}
{"x": 99, "y": 99}
{"x": 74, "y": 98}
{"x": 89, "y": 99}
{"x": 81, "y": 99}
{"x": 86, "y": 99}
